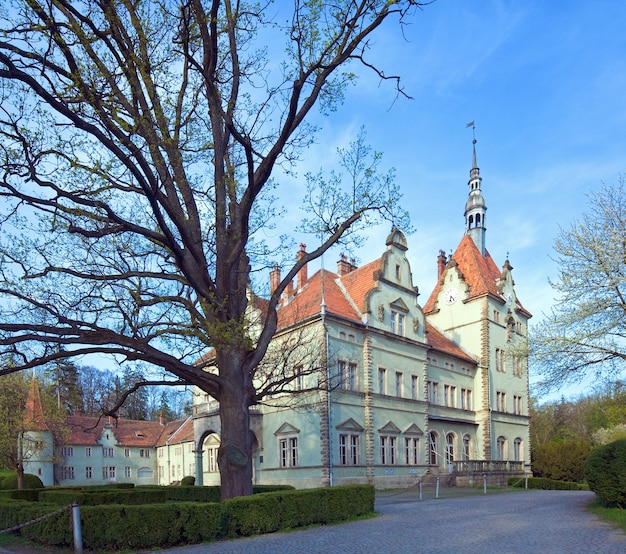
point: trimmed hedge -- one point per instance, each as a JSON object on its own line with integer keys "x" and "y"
{"x": 547, "y": 484}
{"x": 605, "y": 470}
{"x": 85, "y": 497}
{"x": 170, "y": 524}
{"x": 30, "y": 482}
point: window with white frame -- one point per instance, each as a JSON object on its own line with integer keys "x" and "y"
{"x": 126, "y": 452}
{"x": 501, "y": 401}
{"x": 108, "y": 472}
{"x": 382, "y": 380}
{"x": 501, "y": 448}
{"x": 433, "y": 448}
{"x": 450, "y": 448}
{"x": 212, "y": 445}
{"x": 67, "y": 451}
{"x": 412, "y": 450}
{"x": 500, "y": 360}
{"x": 517, "y": 404}
{"x": 127, "y": 472}
{"x": 107, "y": 453}
{"x": 161, "y": 452}
{"x": 88, "y": 472}
{"x": 348, "y": 375}
{"x": 397, "y": 323}
{"x": 518, "y": 366}
{"x": 88, "y": 452}
{"x": 399, "y": 384}
{"x": 414, "y": 387}
{"x": 467, "y": 447}
{"x": 67, "y": 472}
{"x": 517, "y": 449}
{"x": 288, "y": 451}
{"x": 449, "y": 396}
{"x": 298, "y": 380}
{"x": 432, "y": 388}
{"x": 388, "y": 453}
{"x": 466, "y": 399}
{"x": 144, "y": 452}
{"x": 349, "y": 449}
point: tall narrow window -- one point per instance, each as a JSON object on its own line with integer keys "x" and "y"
{"x": 432, "y": 389}
{"x": 466, "y": 399}
{"x": 397, "y": 323}
{"x": 501, "y": 446}
{"x": 517, "y": 449}
{"x": 467, "y": 445}
{"x": 349, "y": 450}
{"x": 288, "y": 451}
{"x": 388, "y": 454}
{"x": 382, "y": 380}
{"x": 414, "y": 387}
{"x": 399, "y": 384}
{"x": 433, "y": 448}
{"x": 411, "y": 450}
{"x": 450, "y": 440}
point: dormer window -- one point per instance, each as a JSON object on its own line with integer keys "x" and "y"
{"x": 397, "y": 323}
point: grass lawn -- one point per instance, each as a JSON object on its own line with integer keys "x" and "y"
{"x": 614, "y": 516}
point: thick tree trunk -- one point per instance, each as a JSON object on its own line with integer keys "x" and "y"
{"x": 19, "y": 469}
{"x": 235, "y": 452}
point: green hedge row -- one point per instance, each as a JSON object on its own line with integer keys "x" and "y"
{"x": 605, "y": 471}
{"x": 177, "y": 523}
{"x": 547, "y": 484}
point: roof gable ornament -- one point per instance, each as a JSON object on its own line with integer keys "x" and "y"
{"x": 390, "y": 428}
{"x": 286, "y": 429}
{"x": 350, "y": 425}
{"x": 396, "y": 238}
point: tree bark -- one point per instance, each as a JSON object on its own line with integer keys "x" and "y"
{"x": 235, "y": 451}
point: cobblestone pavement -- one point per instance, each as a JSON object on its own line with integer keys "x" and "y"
{"x": 525, "y": 522}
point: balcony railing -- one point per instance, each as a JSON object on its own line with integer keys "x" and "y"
{"x": 467, "y": 467}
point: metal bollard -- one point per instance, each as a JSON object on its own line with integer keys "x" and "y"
{"x": 437, "y": 489}
{"x": 420, "y": 489}
{"x": 76, "y": 528}
{"x": 484, "y": 483}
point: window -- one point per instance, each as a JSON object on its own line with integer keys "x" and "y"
{"x": 518, "y": 366}
{"x": 107, "y": 452}
{"x": 397, "y": 323}
{"x": 466, "y": 399}
{"x": 517, "y": 449}
{"x": 433, "y": 392}
{"x": 414, "y": 387}
{"x": 449, "y": 396}
{"x": 501, "y": 446}
{"x": 348, "y": 375}
{"x": 388, "y": 455}
{"x": 467, "y": 447}
{"x": 496, "y": 316}
{"x": 173, "y": 472}
{"x": 126, "y": 452}
{"x": 67, "y": 451}
{"x": 433, "y": 448}
{"x": 161, "y": 472}
{"x": 382, "y": 380}
{"x": 67, "y": 472}
{"x": 411, "y": 450}
{"x": 500, "y": 360}
{"x": 399, "y": 384}
{"x": 88, "y": 472}
{"x": 144, "y": 452}
{"x": 450, "y": 441}
{"x": 501, "y": 401}
{"x": 88, "y": 452}
{"x": 108, "y": 472}
{"x": 192, "y": 468}
{"x": 161, "y": 452}
{"x": 288, "y": 451}
{"x": 349, "y": 450}
{"x": 517, "y": 404}
{"x": 212, "y": 453}
{"x": 127, "y": 472}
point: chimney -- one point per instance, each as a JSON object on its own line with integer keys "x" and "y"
{"x": 302, "y": 274}
{"x": 274, "y": 278}
{"x": 441, "y": 263}
{"x": 343, "y": 265}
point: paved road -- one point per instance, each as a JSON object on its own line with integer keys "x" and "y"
{"x": 524, "y": 522}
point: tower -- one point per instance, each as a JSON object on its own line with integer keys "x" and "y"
{"x": 475, "y": 207}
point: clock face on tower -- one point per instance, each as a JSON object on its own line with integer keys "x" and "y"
{"x": 450, "y": 296}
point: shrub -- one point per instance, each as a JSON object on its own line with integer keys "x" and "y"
{"x": 546, "y": 484}
{"x": 30, "y": 482}
{"x": 188, "y": 481}
{"x": 605, "y": 471}
{"x": 563, "y": 461}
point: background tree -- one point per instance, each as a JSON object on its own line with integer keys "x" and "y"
{"x": 137, "y": 143}
{"x": 63, "y": 381}
{"x": 585, "y": 334}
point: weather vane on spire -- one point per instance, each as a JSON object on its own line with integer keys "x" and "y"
{"x": 473, "y": 126}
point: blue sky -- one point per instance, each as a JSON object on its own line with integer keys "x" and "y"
{"x": 544, "y": 80}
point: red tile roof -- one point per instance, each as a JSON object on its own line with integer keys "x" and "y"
{"x": 480, "y": 273}
{"x": 438, "y": 341}
{"x": 87, "y": 430}
{"x": 34, "y": 420}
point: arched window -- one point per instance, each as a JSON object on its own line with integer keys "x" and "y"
{"x": 501, "y": 446}
{"x": 433, "y": 447}
{"x": 477, "y": 220}
{"x": 450, "y": 440}
{"x": 517, "y": 450}
{"x": 471, "y": 221}
{"x": 467, "y": 447}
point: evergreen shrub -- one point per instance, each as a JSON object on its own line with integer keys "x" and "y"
{"x": 86, "y": 497}
{"x": 605, "y": 471}
{"x": 188, "y": 481}
{"x": 546, "y": 484}
{"x": 30, "y": 482}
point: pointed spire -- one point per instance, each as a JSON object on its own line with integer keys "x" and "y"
{"x": 475, "y": 207}
{"x": 34, "y": 419}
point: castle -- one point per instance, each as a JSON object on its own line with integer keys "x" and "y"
{"x": 409, "y": 390}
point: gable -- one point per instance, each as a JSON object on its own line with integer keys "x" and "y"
{"x": 286, "y": 429}
{"x": 390, "y": 428}
{"x": 350, "y": 425}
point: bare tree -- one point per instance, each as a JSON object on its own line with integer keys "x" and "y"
{"x": 585, "y": 334}
{"x": 138, "y": 142}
